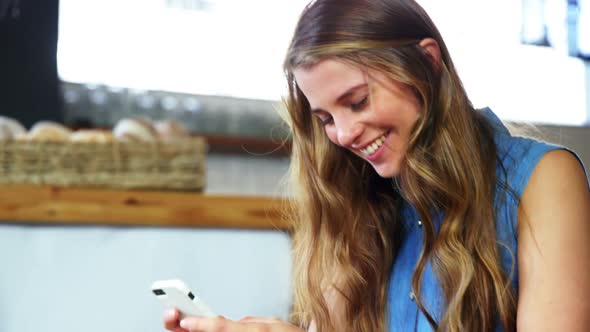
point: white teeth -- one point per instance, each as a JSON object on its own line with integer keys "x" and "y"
{"x": 369, "y": 150}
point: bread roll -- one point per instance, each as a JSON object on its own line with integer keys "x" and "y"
{"x": 170, "y": 130}
{"x": 48, "y": 131}
{"x": 135, "y": 130}
{"x": 22, "y": 137}
{"x": 10, "y": 128}
{"x": 92, "y": 136}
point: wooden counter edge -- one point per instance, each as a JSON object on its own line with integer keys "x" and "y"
{"x": 27, "y": 204}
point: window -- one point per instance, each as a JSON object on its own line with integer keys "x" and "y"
{"x": 236, "y": 48}
{"x": 218, "y": 47}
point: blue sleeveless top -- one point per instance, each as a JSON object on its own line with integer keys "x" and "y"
{"x": 518, "y": 157}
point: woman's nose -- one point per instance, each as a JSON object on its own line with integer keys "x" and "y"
{"x": 348, "y": 132}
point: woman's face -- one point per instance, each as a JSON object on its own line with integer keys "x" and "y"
{"x": 364, "y": 112}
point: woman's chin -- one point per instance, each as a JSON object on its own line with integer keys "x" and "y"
{"x": 387, "y": 171}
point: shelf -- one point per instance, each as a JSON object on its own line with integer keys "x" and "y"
{"x": 55, "y": 205}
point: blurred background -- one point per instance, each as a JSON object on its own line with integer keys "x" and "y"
{"x": 215, "y": 67}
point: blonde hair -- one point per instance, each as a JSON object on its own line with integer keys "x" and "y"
{"x": 346, "y": 218}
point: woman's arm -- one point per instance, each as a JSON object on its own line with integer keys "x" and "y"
{"x": 554, "y": 247}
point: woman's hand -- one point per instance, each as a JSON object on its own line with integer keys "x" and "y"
{"x": 221, "y": 324}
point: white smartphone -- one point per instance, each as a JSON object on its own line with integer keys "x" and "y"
{"x": 176, "y": 294}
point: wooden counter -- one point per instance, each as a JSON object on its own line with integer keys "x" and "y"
{"x": 55, "y": 205}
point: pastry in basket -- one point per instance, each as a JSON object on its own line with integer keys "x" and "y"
{"x": 92, "y": 136}
{"x": 135, "y": 130}
{"x": 48, "y": 131}
{"x": 10, "y": 128}
{"x": 171, "y": 130}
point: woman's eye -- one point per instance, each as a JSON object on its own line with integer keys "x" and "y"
{"x": 326, "y": 121}
{"x": 360, "y": 104}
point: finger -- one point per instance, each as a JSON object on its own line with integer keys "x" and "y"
{"x": 197, "y": 324}
{"x": 171, "y": 322}
{"x": 262, "y": 320}
{"x": 217, "y": 324}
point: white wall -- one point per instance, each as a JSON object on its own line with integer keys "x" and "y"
{"x": 98, "y": 279}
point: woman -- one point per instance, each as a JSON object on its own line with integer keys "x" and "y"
{"x": 413, "y": 211}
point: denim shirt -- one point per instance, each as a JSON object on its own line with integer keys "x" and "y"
{"x": 518, "y": 157}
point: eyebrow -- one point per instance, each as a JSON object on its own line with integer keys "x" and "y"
{"x": 346, "y": 94}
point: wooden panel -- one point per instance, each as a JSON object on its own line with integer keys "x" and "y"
{"x": 51, "y": 205}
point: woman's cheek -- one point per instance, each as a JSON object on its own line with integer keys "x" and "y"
{"x": 332, "y": 135}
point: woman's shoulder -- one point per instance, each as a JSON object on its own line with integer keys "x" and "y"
{"x": 518, "y": 156}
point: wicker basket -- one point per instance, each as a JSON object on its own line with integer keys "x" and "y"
{"x": 169, "y": 166}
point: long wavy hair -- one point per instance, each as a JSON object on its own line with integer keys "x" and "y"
{"x": 347, "y": 219}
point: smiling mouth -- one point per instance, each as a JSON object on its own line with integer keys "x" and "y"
{"x": 373, "y": 147}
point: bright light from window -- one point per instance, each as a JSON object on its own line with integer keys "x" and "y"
{"x": 233, "y": 48}
{"x": 519, "y": 82}
{"x": 236, "y": 48}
